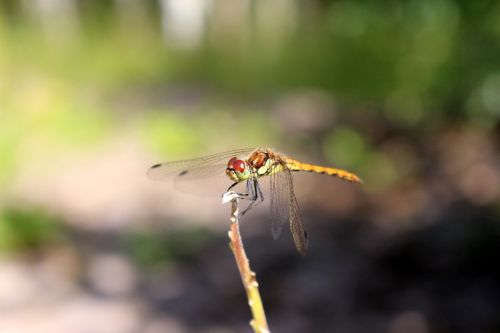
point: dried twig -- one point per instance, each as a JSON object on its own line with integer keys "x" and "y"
{"x": 258, "y": 323}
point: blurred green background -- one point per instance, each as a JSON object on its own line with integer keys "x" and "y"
{"x": 404, "y": 93}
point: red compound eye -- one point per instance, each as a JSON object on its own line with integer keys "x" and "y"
{"x": 236, "y": 164}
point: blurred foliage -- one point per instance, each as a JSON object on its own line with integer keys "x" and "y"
{"x": 417, "y": 58}
{"x": 345, "y": 146}
{"x": 175, "y": 134}
{"x": 28, "y": 230}
{"x": 153, "y": 250}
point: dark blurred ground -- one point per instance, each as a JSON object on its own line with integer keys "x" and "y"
{"x": 405, "y": 94}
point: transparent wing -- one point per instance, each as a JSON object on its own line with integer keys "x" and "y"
{"x": 299, "y": 234}
{"x": 195, "y": 168}
{"x": 203, "y": 176}
{"x": 279, "y": 203}
{"x": 211, "y": 181}
{"x": 285, "y": 208}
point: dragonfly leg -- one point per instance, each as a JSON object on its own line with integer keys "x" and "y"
{"x": 230, "y": 187}
{"x": 240, "y": 195}
{"x": 255, "y": 191}
{"x": 230, "y": 195}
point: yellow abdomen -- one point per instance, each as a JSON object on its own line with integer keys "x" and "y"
{"x": 295, "y": 165}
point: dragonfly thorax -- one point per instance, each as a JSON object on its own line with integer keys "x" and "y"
{"x": 262, "y": 163}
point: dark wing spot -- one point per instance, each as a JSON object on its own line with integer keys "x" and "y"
{"x": 183, "y": 172}
{"x": 156, "y": 166}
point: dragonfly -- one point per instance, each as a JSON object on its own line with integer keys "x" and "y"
{"x": 249, "y": 167}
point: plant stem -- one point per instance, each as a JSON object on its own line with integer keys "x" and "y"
{"x": 258, "y": 323}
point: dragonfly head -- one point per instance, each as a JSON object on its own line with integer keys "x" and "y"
{"x": 238, "y": 170}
